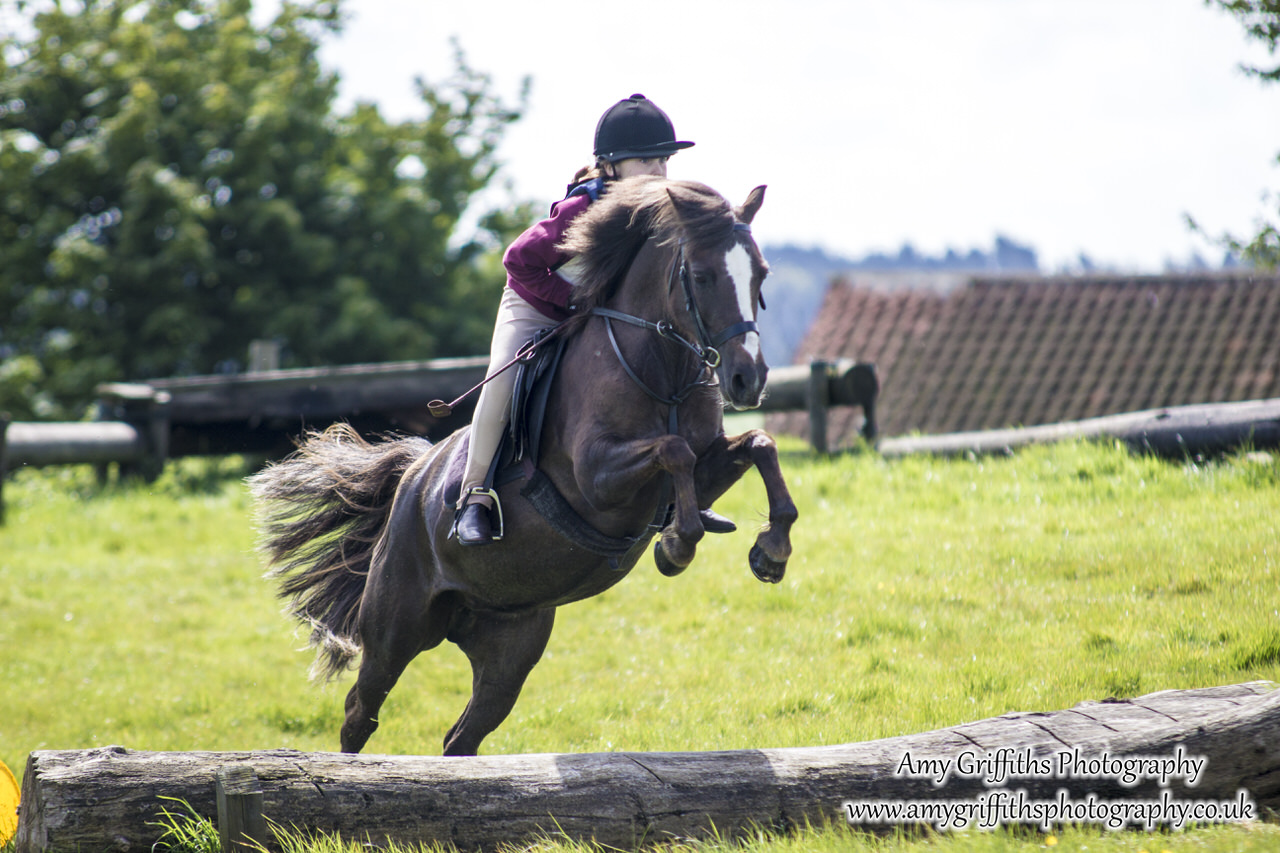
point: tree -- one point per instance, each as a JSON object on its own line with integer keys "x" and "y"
{"x": 158, "y": 213}
{"x": 1261, "y": 21}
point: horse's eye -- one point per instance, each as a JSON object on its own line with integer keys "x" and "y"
{"x": 700, "y": 278}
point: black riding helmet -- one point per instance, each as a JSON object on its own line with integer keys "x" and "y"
{"x": 635, "y": 127}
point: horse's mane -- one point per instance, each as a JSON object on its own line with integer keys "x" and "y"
{"x": 606, "y": 237}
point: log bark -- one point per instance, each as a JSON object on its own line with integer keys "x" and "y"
{"x": 107, "y": 799}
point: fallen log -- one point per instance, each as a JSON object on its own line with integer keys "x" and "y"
{"x": 1176, "y": 432}
{"x": 1215, "y": 744}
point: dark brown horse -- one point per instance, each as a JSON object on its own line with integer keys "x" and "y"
{"x": 668, "y": 287}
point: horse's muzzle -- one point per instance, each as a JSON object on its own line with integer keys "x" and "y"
{"x": 742, "y": 384}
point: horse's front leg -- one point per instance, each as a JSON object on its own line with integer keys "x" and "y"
{"x": 623, "y": 469}
{"x": 723, "y": 464}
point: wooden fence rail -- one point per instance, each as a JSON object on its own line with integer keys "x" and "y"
{"x": 36, "y": 445}
{"x": 818, "y": 386}
{"x": 140, "y": 425}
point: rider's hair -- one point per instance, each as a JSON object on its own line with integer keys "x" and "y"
{"x": 591, "y": 172}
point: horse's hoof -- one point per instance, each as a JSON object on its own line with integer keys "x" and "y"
{"x": 665, "y": 566}
{"x": 765, "y": 569}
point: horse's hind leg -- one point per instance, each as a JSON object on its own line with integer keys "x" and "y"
{"x": 365, "y": 699}
{"x": 396, "y": 625}
{"x": 503, "y": 648}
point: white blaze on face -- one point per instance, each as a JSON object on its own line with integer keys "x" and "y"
{"x": 738, "y": 262}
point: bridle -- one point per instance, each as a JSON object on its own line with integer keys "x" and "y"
{"x": 705, "y": 349}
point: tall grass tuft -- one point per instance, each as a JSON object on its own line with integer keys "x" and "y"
{"x": 185, "y": 830}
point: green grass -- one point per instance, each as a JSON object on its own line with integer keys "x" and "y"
{"x": 923, "y": 593}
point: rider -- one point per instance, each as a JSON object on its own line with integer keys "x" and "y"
{"x": 633, "y": 137}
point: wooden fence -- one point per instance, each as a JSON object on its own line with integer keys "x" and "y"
{"x": 140, "y": 425}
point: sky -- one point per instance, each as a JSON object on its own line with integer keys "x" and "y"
{"x": 1072, "y": 126}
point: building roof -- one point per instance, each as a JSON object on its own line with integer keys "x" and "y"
{"x": 1001, "y": 352}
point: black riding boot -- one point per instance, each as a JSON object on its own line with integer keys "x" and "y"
{"x": 474, "y": 526}
{"x": 714, "y": 522}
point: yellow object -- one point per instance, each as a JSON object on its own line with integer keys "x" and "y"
{"x": 9, "y": 795}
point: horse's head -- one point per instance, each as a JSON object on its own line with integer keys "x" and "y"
{"x": 646, "y": 228}
{"x": 721, "y": 271}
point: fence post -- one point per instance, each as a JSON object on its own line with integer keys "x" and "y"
{"x": 818, "y": 399}
{"x": 157, "y": 432}
{"x": 862, "y": 388}
{"x": 4, "y": 459}
{"x": 241, "y": 824}
{"x": 146, "y": 409}
{"x": 264, "y": 355}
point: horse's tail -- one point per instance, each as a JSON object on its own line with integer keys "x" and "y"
{"x": 320, "y": 512}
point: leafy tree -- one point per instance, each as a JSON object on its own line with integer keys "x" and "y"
{"x": 174, "y": 183}
{"x": 1261, "y": 20}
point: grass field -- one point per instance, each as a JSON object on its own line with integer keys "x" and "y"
{"x": 923, "y": 593}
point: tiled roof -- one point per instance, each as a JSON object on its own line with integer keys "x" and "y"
{"x": 1000, "y": 352}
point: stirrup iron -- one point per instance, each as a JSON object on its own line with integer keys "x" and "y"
{"x": 496, "y": 510}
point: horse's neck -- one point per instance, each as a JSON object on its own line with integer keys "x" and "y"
{"x": 645, "y": 286}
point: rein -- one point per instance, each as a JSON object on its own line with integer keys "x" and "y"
{"x": 705, "y": 350}
{"x": 709, "y": 357}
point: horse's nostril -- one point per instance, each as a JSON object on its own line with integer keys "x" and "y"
{"x": 743, "y": 389}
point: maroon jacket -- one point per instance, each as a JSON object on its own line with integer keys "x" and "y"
{"x": 532, "y": 259}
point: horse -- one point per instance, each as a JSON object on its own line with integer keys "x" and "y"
{"x": 357, "y": 533}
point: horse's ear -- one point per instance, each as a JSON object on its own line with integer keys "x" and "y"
{"x": 685, "y": 202}
{"x": 751, "y": 206}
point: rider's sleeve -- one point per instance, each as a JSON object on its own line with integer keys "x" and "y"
{"x": 532, "y": 260}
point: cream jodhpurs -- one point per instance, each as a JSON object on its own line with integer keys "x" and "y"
{"x": 516, "y": 324}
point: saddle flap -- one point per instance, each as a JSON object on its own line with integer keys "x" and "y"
{"x": 529, "y": 400}
{"x": 517, "y": 455}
